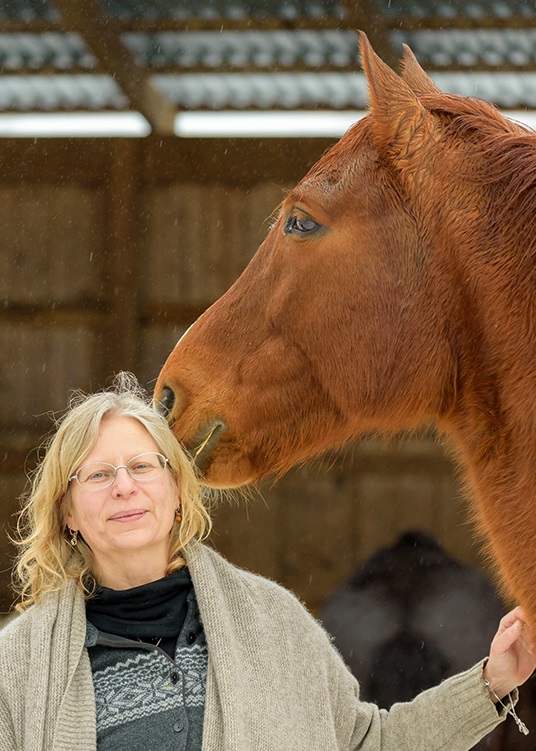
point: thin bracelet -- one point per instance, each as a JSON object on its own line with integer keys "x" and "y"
{"x": 510, "y": 710}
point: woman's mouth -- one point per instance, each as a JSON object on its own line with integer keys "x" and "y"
{"x": 132, "y": 515}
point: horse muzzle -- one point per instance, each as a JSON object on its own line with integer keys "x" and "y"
{"x": 205, "y": 439}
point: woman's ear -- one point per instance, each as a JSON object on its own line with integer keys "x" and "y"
{"x": 66, "y": 514}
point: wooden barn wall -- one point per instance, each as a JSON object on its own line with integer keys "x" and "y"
{"x": 109, "y": 250}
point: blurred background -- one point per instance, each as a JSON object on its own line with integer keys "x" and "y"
{"x": 143, "y": 148}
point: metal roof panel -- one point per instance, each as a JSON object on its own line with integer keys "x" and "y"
{"x": 264, "y": 91}
{"x": 261, "y": 49}
{"x": 290, "y": 10}
{"x": 237, "y": 91}
{"x": 270, "y": 49}
{"x": 63, "y": 93}
{"x": 48, "y": 50}
{"x": 451, "y": 9}
{"x": 27, "y": 10}
{"x": 231, "y": 9}
{"x": 470, "y": 48}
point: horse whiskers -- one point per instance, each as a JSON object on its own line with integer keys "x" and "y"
{"x": 201, "y": 446}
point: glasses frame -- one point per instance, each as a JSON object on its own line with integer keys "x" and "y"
{"x": 97, "y": 486}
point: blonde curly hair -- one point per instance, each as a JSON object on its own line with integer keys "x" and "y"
{"x": 46, "y": 560}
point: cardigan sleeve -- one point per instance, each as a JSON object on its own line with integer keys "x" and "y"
{"x": 453, "y": 716}
{"x": 7, "y": 733}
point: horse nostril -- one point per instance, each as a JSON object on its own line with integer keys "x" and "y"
{"x": 166, "y": 401}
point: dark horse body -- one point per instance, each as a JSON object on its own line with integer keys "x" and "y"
{"x": 411, "y": 616}
{"x": 396, "y": 288}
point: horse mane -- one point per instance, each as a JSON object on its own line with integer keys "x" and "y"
{"x": 498, "y": 157}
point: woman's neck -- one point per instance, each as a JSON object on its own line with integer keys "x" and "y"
{"x": 129, "y": 571}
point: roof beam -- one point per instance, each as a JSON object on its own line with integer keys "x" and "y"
{"x": 99, "y": 31}
{"x": 273, "y": 23}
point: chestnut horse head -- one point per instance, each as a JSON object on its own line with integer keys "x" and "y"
{"x": 397, "y": 287}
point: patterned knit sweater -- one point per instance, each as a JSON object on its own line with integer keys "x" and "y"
{"x": 274, "y": 680}
{"x": 147, "y": 696}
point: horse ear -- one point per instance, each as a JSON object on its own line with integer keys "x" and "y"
{"x": 415, "y": 77}
{"x": 400, "y": 124}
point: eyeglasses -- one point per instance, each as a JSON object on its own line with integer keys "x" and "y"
{"x": 142, "y": 468}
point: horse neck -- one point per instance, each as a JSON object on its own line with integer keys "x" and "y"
{"x": 497, "y": 344}
{"x": 493, "y": 419}
{"x": 482, "y": 264}
{"x": 501, "y": 484}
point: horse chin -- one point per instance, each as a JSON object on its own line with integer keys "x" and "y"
{"x": 219, "y": 463}
{"x": 226, "y": 472}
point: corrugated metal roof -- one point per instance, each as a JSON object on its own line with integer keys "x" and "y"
{"x": 506, "y": 90}
{"x": 264, "y": 90}
{"x": 125, "y": 10}
{"x": 151, "y": 10}
{"x": 28, "y": 10}
{"x": 210, "y": 49}
{"x": 64, "y": 93}
{"x": 48, "y": 50}
{"x": 231, "y": 9}
{"x": 470, "y": 48}
{"x": 449, "y": 9}
{"x": 258, "y": 68}
{"x": 237, "y": 91}
{"x": 261, "y": 49}
{"x": 328, "y": 90}
{"x": 270, "y": 49}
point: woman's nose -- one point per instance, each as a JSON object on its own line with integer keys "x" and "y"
{"x": 123, "y": 482}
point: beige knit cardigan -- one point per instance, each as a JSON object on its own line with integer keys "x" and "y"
{"x": 275, "y": 683}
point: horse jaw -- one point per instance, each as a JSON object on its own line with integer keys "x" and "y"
{"x": 232, "y": 446}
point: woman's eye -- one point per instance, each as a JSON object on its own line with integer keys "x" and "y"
{"x": 101, "y": 474}
{"x": 298, "y": 226}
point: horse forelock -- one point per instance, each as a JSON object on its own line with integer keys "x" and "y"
{"x": 329, "y": 175}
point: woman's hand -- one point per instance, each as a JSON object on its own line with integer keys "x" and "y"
{"x": 511, "y": 658}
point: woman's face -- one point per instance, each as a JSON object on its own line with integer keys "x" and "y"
{"x": 127, "y": 525}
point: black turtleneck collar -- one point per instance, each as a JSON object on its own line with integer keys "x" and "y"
{"x": 151, "y": 611}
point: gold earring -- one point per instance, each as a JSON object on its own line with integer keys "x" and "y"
{"x": 74, "y": 537}
{"x": 178, "y": 515}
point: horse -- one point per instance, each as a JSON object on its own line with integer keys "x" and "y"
{"x": 410, "y": 616}
{"x": 395, "y": 289}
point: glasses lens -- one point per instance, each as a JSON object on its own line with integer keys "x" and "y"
{"x": 96, "y": 473}
{"x": 146, "y": 466}
{"x": 141, "y": 468}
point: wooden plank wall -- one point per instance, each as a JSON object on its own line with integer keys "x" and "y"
{"x": 109, "y": 250}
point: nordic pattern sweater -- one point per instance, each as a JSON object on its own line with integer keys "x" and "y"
{"x": 146, "y": 697}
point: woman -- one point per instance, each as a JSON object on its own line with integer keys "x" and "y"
{"x": 135, "y": 635}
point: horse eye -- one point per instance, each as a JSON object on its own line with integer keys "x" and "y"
{"x": 298, "y": 226}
